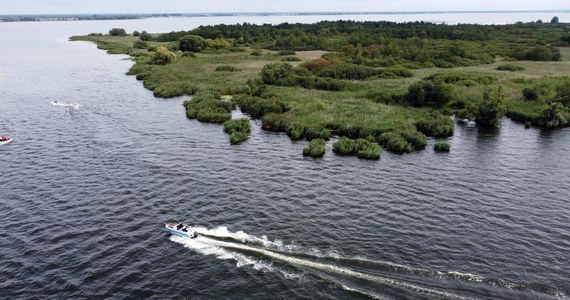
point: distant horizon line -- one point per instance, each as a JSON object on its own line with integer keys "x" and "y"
{"x": 294, "y": 13}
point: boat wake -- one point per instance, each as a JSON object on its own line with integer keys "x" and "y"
{"x": 370, "y": 278}
{"x": 63, "y": 104}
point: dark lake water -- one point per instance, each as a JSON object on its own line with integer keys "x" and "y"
{"x": 86, "y": 189}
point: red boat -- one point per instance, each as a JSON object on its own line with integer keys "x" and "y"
{"x": 4, "y": 140}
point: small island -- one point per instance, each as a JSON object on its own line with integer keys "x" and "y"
{"x": 373, "y": 83}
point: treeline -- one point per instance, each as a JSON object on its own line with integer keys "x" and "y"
{"x": 381, "y": 44}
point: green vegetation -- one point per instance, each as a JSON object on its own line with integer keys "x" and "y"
{"x": 117, "y": 32}
{"x": 227, "y": 68}
{"x": 208, "y": 107}
{"x": 389, "y": 84}
{"x": 238, "y": 130}
{"x": 493, "y": 108}
{"x": 316, "y": 148}
{"x": 441, "y": 146}
{"x": 510, "y": 67}
{"x": 360, "y": 147}
{"x": 162, "y": 56}
{"x": 192, "y": 43}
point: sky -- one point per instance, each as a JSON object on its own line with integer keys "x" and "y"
{"x": 201, "y": 6}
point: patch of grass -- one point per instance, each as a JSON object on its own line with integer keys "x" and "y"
{"x": 227, "y": 68}
{"x": 395, "y": 142}
{"x": 316, "y": 148}
{"x": 510, "y": 67}
{"x": 436, "y": 125}
{"x": 291, "y": 58}
{"x": 442, "y": 146}
{"x": 207, "y": 107}
{"x": 360, "y": 147}
{"x": 238, "y": 129}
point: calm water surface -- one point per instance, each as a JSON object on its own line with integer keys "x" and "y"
{"x": 85, "y": 191}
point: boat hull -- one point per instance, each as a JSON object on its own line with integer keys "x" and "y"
{"x": 189, "y": 233}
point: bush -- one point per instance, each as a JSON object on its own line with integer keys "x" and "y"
{"x": 359, "y": 147}
{"x": 442, "y": 147}
{"x": 320, "y": 63}
{"x": 207, "y": 107}
{"x": 274, "y": 72}
{"x": 136, "y": 33}
{"x": 347, "y": 71}
{"x": 238, "y": 130}
{"x": 310, "y": 82}
{"x": 227, "y": 69}
{"x": 316, "y": 148}
{"x": 192, "y": 43}
{"x": 429, "y": 93}
{"x": 538, "y": 53}
{"x": 117, "y": 32}
{"x": 219, "y": 43}
{"x": 273, "y": 122}
{"x": 162, "y": 56}
{"x": 462, "y": 78}
{"x": 436, "y": 125}
{"x": 493, "y": 107}
{"x": 317, "y": 133}
{"x": 395, "y": 73}
{"x": 145, "y": 36}
{"x": 395, "y": 142}
{"x": 291, "y": 58}
{"x": 510, "y": 67}
{"x": 530, "y": 93}
{"x": 255, "y": 87}
{"x": 417, "y": 139}
{"x": 238, "y": 137}
{"x": 258, "y": 107}
{"x": 370, "y": 151}
{"x": 257, "y": 53}
{"x": 241, "y": 125}
{"x": 140, "y": 45}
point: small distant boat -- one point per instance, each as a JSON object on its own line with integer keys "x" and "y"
{"x": 72, "y": 105}
{"x": 4, "y": 140}
{"x": 181, "y": 229}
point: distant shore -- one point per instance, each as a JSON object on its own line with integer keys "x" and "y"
{"x": 130, "y": 16}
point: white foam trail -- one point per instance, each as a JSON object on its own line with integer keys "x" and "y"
{"x": 330, "y": 268}
{"x": 63, "y": 104}
{"x": 223, "y": 232}
{"x": 201, "y": 245}
{"x": 207, "y": 249}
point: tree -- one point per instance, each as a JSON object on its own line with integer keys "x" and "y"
{"x": 117, "y": 32}
{"x": 136, "y": 33}
{"x": 554, "y": 20}
{"x": 553, "y": 114}
{"x": 192, "y": 43}
{"x": 273, "y": 73}
{"x": 145, "y": 36}
{"x": 162, "y": 56}
{"x": 493, "y": 107}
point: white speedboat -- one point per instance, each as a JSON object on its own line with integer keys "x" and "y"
{"x": 4, "y": 140}
{"x": 181, "y": 229}
{"x": 71, "y": 105}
